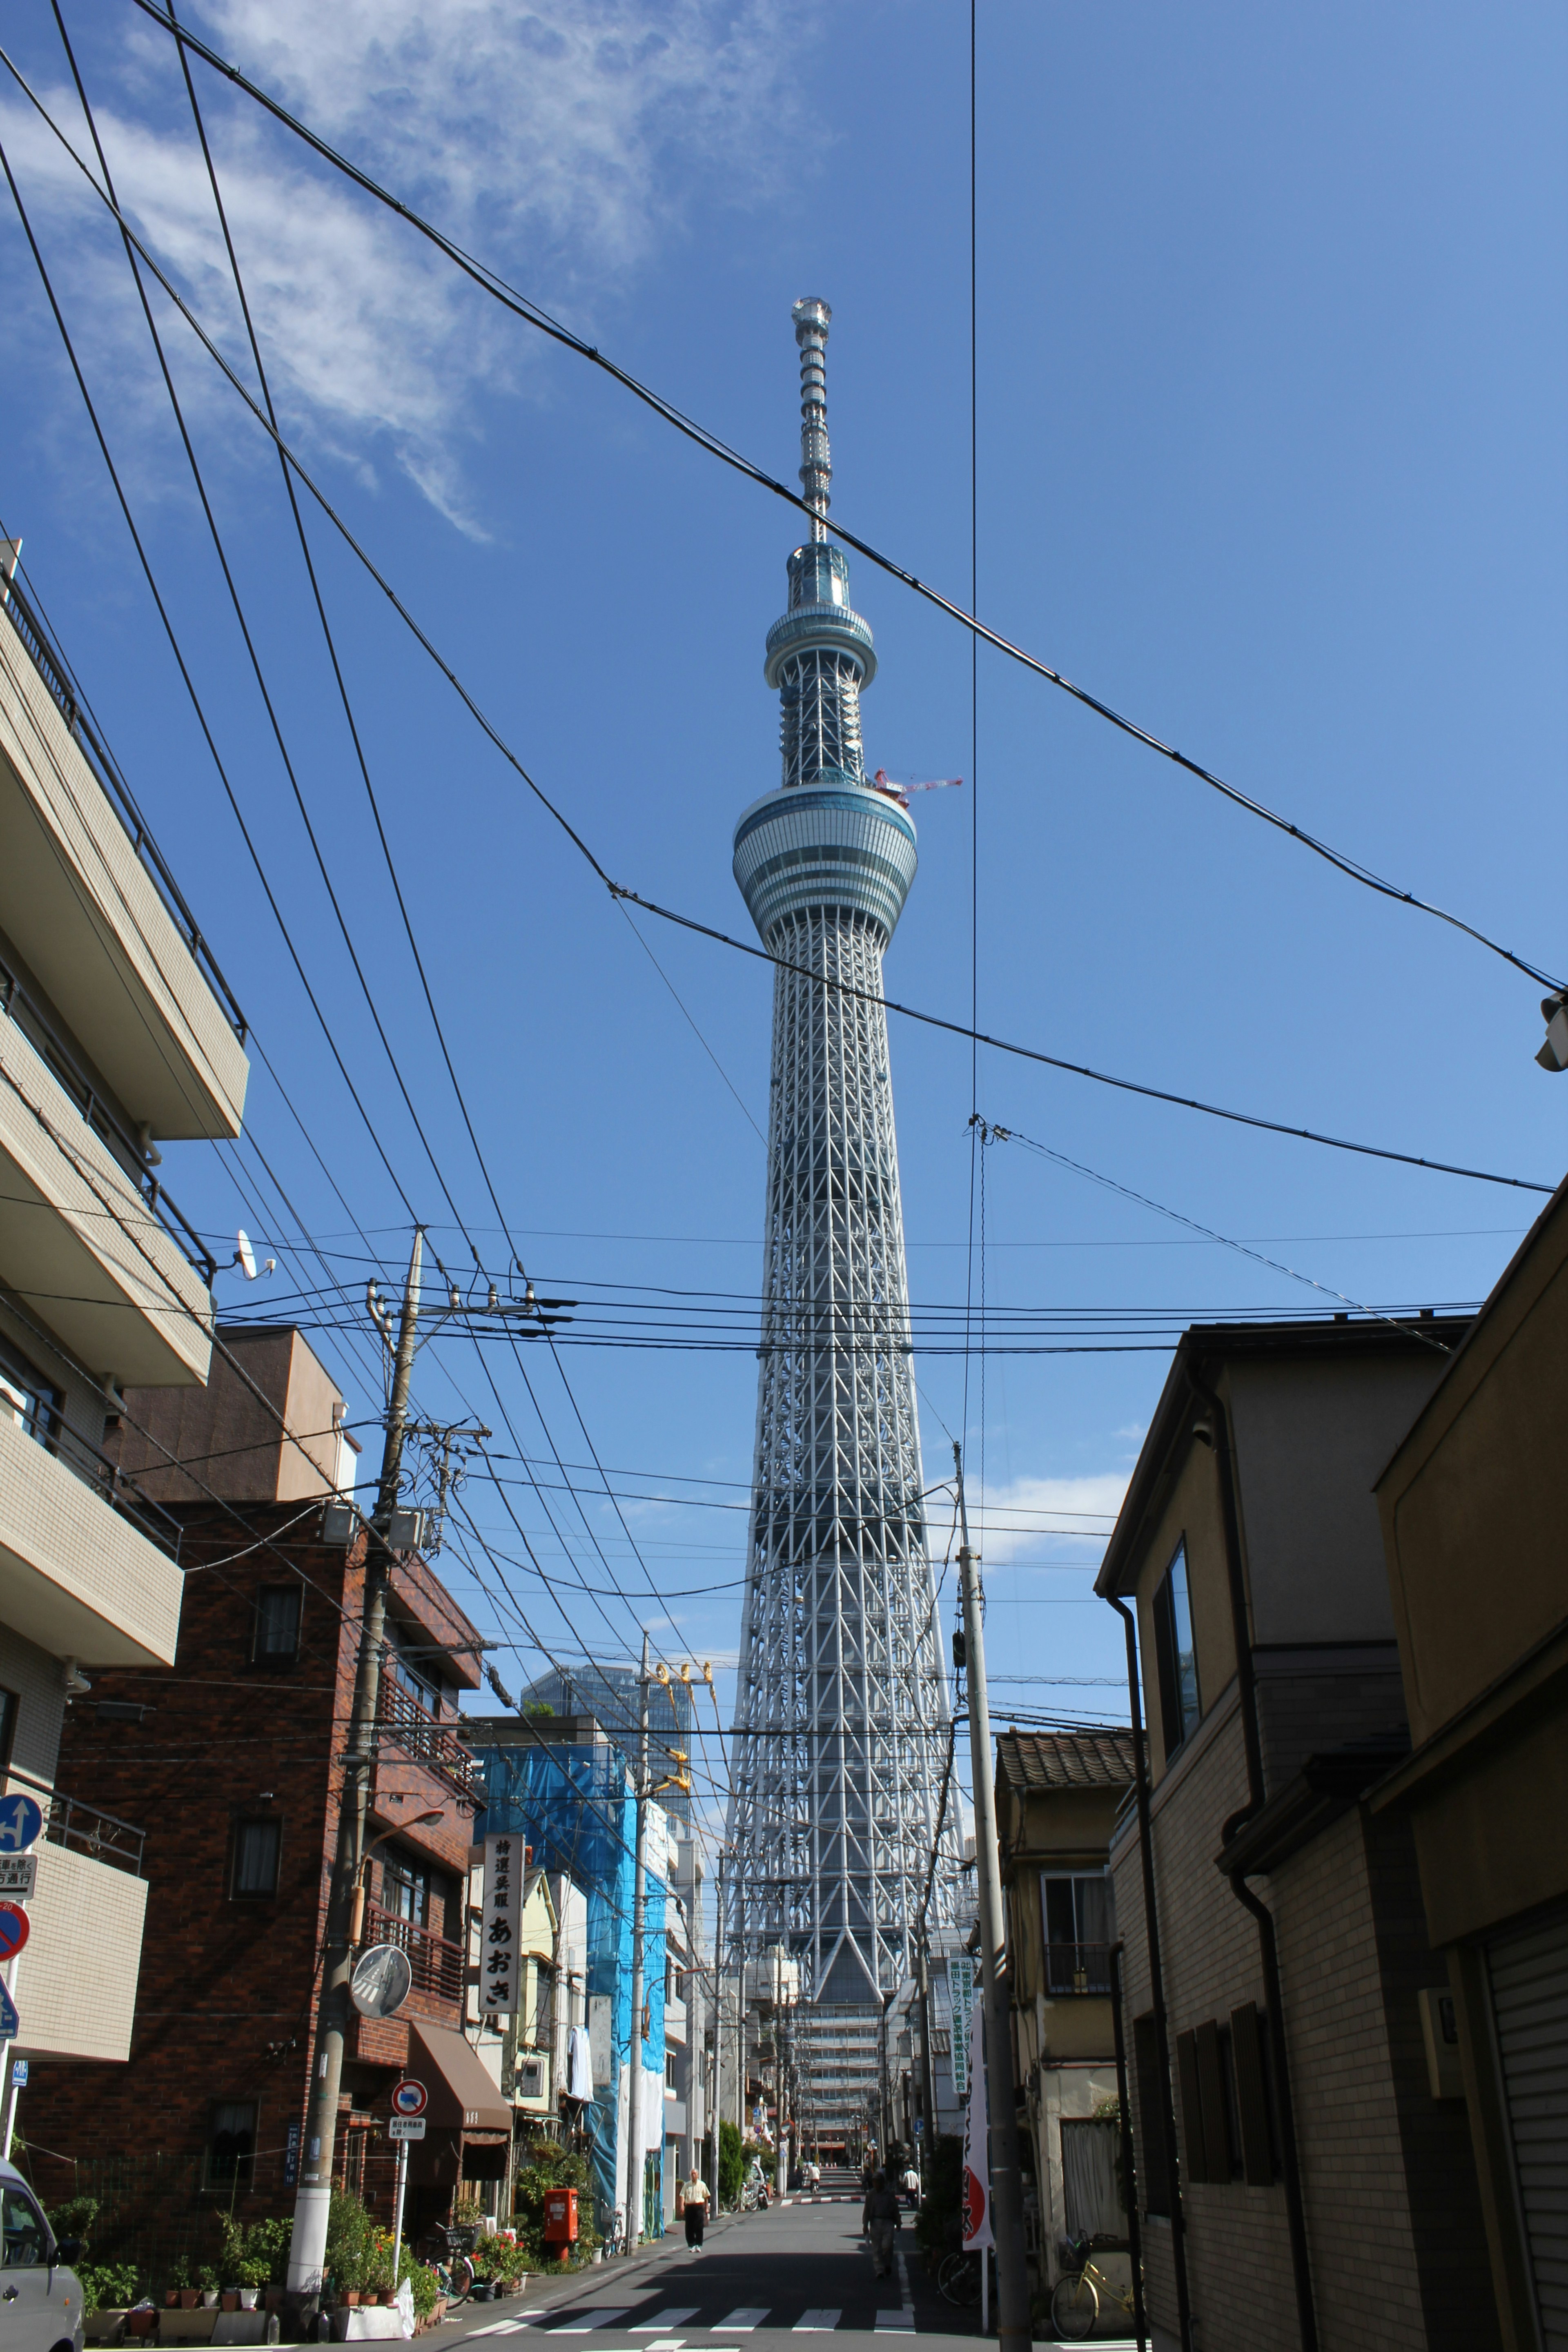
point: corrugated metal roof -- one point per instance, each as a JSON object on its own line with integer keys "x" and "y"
{"x": 1032, "y": 1760}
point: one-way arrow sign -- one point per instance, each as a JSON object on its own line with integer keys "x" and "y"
{"x": 10, "y": 2023}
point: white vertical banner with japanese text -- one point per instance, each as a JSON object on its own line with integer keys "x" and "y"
{"x": 497, "y": 1934}
{"x": 977, "y": 2141}
{"x": 960, "y": 1996}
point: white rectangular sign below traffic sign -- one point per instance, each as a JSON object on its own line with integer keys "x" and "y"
{"x": 406, "y": 2128}
{"x": 19, "y": 1874}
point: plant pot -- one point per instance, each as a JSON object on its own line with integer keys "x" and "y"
{"x": 210, "y": 2298}
{"x": 170, "y": 2298}
{"x": 350, "y": 2298}
{"x": 247, "y": 2295}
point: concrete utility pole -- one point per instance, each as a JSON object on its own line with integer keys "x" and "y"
{"x": 309, "y": 2244}
{"x": 714, "y": 2114}
{"x": 1013, "y": 2321}
{"x": 634, "y": 2125}
{"x": 781, "y": 2152}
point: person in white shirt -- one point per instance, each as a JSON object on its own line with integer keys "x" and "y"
{"x": 694, "y": 2205}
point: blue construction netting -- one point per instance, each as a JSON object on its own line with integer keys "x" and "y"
{"x": 574, "y": 1806}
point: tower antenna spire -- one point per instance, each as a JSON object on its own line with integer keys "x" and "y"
{"x": 812, "y": 320}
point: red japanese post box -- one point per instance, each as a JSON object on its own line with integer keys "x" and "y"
{"x": 560, "y": 2216}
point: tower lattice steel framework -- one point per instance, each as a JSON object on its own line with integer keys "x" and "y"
{"x": 842, "y": 1711}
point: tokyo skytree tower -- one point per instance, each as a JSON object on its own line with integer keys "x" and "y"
{"x": 842, "y": 1708}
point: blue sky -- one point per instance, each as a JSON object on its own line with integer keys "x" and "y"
{"x": 1270, "y": 367}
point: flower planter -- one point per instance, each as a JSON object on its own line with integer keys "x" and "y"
{"x": 350, "y": 2298}
{"x": 248, "y": 2298}
{"x": 210, "y": 2298}
{"x": 231, "y": 2298}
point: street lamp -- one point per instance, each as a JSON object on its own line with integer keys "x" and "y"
{"x": 356, "y": 1916}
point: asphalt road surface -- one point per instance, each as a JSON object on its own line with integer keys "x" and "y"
{"x": 776, "y": 2282}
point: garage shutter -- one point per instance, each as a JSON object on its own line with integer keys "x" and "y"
{"x": 1530, "y": 2002}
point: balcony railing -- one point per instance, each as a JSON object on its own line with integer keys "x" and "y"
{"x": 435, "y": 1964}
{"x": 402, "y": 1720}
{"x": 56, "y": 675}
{"x": 125, "y": 1148}
{"x": 87, "y": 1829}
{"x": 45, "y": 1427}
{"x": 1078, "y": 1969}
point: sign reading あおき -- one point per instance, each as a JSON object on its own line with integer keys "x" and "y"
{"x": 498, "y": 1941}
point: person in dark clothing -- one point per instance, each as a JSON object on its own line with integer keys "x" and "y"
{"x": 880, "y": 2219}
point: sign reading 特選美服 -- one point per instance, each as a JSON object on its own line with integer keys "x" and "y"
{"x": 498, "y": 1936}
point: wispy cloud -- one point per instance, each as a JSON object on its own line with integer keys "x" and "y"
{"x": 567, "y": 142}
{"x": 1036, "y": 1516}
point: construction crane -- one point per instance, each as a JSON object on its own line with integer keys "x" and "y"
{"x": 900, "y": 793}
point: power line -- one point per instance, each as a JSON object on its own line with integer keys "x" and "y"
{"x": 688, "y": 922}
{"x": 490, "y": 282}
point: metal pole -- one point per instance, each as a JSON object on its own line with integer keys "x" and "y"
{"x": 718, "y": 2040}
{"x": 309, "y": 2244}
{"x": 634, "y": 2125}
{"x": 397, "y": 2209}
{"x": 781, "y": 2160}
{"x": 9, "y": 2061}
{"x": 1012, "y": 2328}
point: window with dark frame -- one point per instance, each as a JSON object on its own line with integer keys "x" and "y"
{"x": 10, "y": 1709}
{"x": 405, "y": 1888}
{"x": 1176, "y": 1657}
{"x": 1153, "y": 2171}
{"x": 257, "y": 1847}
{"x": 278, "y": 1608}
{"x": 27, "y": 1399}
{"x": 231, "y": 2143}
{"x": 1076, "y": 1911}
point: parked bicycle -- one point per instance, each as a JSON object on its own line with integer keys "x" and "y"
{"x": 958, "y": 2279}
{"x": 1081, "y": 2289}
{"x": 446, "y": 2252}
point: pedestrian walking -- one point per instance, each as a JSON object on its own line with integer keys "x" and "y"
{"x": 694, "y": 2205}
{"x": 880, "y": 2220}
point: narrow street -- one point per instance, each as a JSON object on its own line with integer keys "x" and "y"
{"x": 800, "y": 2269}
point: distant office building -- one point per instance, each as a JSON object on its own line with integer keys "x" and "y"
{"x": 610, "y": 1695}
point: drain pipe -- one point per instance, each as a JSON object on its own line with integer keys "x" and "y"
{"x": 1128, "y": 2173}
{"x": 1156, "y": 1978}
{"x": 1215, "y": 1433}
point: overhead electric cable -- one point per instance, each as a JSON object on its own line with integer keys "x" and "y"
{"x": 492, "y": 283}
{"x": 667, "y": 914}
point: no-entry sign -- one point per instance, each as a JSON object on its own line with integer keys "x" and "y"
{"x": 14, "y": 1929}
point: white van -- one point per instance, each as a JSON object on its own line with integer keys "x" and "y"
{"x": 41, "y": 2295}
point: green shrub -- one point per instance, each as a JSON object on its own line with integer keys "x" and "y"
{"x": 350, "y": 2232}
{"x": 550, "y": 2167}
{"x": 108, "y": 2287}
{"x": 732, "y": 2164}
{"x": 423, "y": 2281}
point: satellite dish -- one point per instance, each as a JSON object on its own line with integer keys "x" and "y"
{"x": 380, "y": 1981}
{"x": 245, "y": 1256}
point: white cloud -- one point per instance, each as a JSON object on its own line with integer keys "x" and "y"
{"x": 566, "y": 143}
{"x": 1038, "y": 1515}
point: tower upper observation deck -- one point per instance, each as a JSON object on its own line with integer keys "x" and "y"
{"x": 826, "y": 837}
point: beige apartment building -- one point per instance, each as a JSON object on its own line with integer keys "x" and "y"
{"x": 1473, "y": 1516}
{"x": 1058, "y": 1795}
{"x": 1302, "y": 2179}
{"x": 117, "y": 1032}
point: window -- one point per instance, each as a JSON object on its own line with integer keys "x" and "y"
{"x": 1077, "y": 1913}
{"x": 278, "y": 1624}
{"x": 231, "y": 2143}
{"x": 10, "y": 1707}
{"x": 257, "y": 1846}
{"x": 1175, "y": 1657}
{"x": 24, "y": 2239}
{"x": 27, "y": 1399}
{"x": 1152, "y": 2099}
{"x": 425, "y": 1688}
{"x": 406, "y": 1889}
{"x": 669, "y": 2070}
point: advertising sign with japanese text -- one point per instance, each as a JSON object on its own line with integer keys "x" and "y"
{"x": 498, "y": 1936}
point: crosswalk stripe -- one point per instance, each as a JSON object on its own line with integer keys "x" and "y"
{"x": 584, "y": 2323}
{"x": 662, "y": 2320}
{"x": 817, "y": 2322}
{"x": 746, "y": 2318}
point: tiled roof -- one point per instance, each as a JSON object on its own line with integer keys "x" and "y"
{"x": 1064, "y": 1760}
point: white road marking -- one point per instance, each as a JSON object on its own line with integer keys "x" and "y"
{"x": 673, "y": 2317}
{"x": 746, "y": 2318}
{"x": 817, "y": 2321}
{"x": 587, "y": 2322}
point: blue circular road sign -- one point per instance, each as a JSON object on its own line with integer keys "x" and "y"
{"x": 21, "y": 1822}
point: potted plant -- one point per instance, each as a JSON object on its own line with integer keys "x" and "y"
{"x": 207, "y": 2287}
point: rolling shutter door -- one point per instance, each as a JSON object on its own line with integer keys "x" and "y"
{"x": 1530, "y": 2002}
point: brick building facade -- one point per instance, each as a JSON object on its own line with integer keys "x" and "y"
{"x": 1301, "y": 2177}
{"x": 233, "y": 1760}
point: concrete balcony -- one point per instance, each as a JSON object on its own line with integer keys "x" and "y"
{"x": 78, "y": 1237}
{"x": 75, "y": 1985}
{"x": 79, "y": 1576}
{"x": 93, "y": 909}
{"x": 674, "y": 2021}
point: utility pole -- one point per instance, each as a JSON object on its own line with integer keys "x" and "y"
{"x": 1013, "y": 2320}
{"x": 781, "y": 2153}
{"x": 307, "y": 2246}
{"x": 635, "y": 2125}
{"x": 718, "y": 2037}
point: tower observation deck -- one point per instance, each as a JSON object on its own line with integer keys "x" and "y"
{"x": 842, "y": 1708}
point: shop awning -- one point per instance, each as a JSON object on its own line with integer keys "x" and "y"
{"x": 463, "y": 2096}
